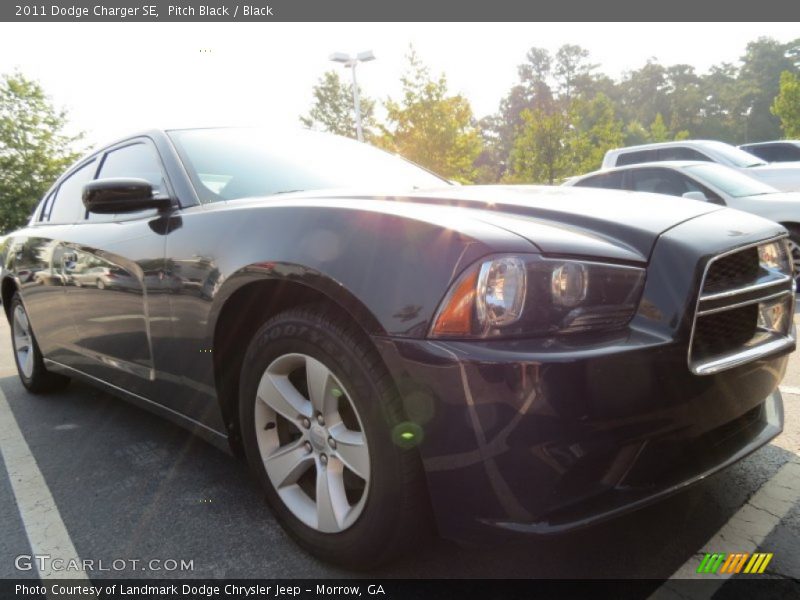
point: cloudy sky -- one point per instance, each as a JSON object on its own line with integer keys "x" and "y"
{"x": 116, "y": 78}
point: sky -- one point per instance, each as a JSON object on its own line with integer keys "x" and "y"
{"x": 119, "y": 78}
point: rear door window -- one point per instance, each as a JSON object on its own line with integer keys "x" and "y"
{"x": 609, "y": 181}
{"x": 633, "y": 158}
{"x": 681, "y": 153}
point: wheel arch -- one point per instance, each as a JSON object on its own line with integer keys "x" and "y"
{"x": 247, "y": 300}
{"x": 9, "y": 286}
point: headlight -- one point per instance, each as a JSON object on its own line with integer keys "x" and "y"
{"x": 514, "y": 296}
{"x": 776, "y": 256}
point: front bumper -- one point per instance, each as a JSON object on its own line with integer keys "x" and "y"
{"x": 548, "y": 434}
{"x": 538, "y": 437}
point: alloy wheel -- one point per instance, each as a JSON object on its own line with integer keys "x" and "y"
{"x": 794, "y": 248}
{"x": 312, "y": 443}
{"x": 23, "y": 341}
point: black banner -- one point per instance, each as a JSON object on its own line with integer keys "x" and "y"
{"x": 406, "y": 10}
{"x": 439, "y": 589}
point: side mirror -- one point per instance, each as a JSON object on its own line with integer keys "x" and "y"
{"x": 117, "y": 195}
{"x": 696, "y": 196}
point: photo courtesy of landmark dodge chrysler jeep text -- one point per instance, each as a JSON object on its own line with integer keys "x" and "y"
{"x": 394, "y": 354}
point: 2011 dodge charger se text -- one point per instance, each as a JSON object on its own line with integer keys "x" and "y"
{"x": 394, "y": 354}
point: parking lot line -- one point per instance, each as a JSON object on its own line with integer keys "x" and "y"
{"x": 46, "y": 532}
{"x": 744, "y": 532}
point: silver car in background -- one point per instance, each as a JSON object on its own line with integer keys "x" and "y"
{"x": 708, "y": 182}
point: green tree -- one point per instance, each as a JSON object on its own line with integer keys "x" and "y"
{"x": 431, "y": 127}
{"x": 786, "y": 105}
{"x": 34, "y": 148}
{"x": 333, "y": 109}
{"x": 539, "y": 152}
{"x": 571, "y": 66}
{"x": 593, "y": 130}
{"x": 658, "y": 130}
{"x": 758, "y": 83}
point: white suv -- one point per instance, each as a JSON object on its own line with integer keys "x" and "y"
{"x": 784, "y": 176}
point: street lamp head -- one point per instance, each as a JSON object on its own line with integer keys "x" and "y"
{"x": 366, "y": 56}
{"x": 340, "y": 57}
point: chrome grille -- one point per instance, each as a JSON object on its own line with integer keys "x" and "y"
{"x": 745, "y": 307}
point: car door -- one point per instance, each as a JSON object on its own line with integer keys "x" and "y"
{"x": 35, "y": 256}
{"x": 112, "y": 267}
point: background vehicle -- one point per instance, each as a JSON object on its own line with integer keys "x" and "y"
{"x": 708, "y": 182}
{"x": 785, "y": 177}
{"x": 776, "y": 151}
{"x": 384, "y": 347}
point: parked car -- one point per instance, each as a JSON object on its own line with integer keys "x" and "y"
{"x": 707, "y": 182}
{"x": 775, "y": 151}
{"x": 785, "y": 177}
{"x": 384, "y": 347}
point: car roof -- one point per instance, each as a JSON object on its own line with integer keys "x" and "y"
{"x": 654, "y": 145}
{"x": 769, "y": 143}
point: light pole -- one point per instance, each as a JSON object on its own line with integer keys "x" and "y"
{"x": 352, "y": 62}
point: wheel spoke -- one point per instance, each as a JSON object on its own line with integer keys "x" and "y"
{"x": 21, "y": 322}
{"x": 332, "y": 505}
{"x": 319, "y": 387}
{"x": 22, "y": 342}
{"x": 28, "y": 366}
{"x": 351, "y": 448}
{"x": 286, "y": 465}
{"x": 277, "y": 392}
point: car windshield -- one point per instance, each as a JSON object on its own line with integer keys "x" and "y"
{"x": 733, "y": 183}
{"x": 735, "y": 156}
{"x": 226, "y": 164}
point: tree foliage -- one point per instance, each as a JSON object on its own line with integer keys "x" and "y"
{"x": 538, "y": 153}
{"x": 562, "y": 113}
{"x": 594, "y": 129}
{"x": 34, "y": 148}
{"x": 429, "y": 126}
{"x": 787, "y": 105}
{"x": 333, "y": 109}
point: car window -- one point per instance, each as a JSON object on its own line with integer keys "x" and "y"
{"x": 659, "y": 181}
{"x": 227, "y": 164}
{"x": 138, "y": 160}
{"x": 777, "y": 152}
{"x": 633, "y": 158}
{"x": 733, "y": 156}
{"x": 609, "y": 181}
{"x": 730, "y": 181}
{"x": 681, "y": 153}
{"x": 46, "y": 205}
{"x": 67, "y": 206}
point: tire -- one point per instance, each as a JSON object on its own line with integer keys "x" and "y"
{"x": 386, "y": 507}
{"x": 27, "y": 356}
{"x": 100, "y": 284}
{"x": 794, "y": 245}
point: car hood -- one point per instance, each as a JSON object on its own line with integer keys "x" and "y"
{"x": 557, "y": 220}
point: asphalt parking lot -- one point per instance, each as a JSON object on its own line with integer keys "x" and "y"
{"x": 128, "y": 485}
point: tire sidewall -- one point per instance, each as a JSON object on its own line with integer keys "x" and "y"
{"x": 28, "y": 382}
{"x": 294, "y": 333}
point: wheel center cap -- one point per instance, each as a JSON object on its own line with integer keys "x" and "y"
{"x": 318, "y": 436}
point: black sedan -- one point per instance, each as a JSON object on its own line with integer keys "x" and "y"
{"x": 394, "y": 354}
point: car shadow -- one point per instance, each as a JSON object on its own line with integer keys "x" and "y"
{"x": 129, "y": 484}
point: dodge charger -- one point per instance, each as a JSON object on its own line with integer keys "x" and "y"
{"x": 395, "y": 355}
